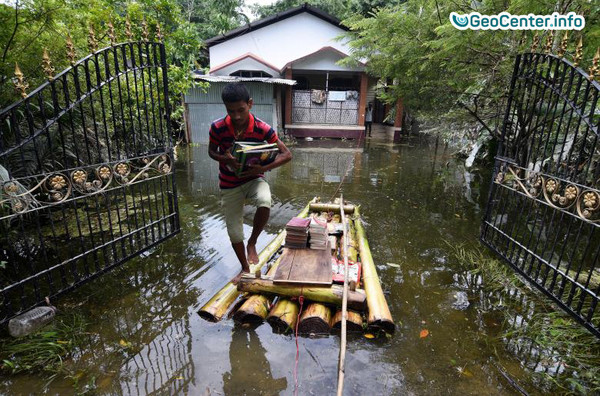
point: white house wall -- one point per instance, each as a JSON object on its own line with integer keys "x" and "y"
{"x": 324, "y": 60}
{"x": 280, "y": 42}
{"x": 246, "y": 64}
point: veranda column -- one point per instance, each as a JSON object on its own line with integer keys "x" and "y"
{"x": 288, "y": 98}
{"x": 398, "y": 119}
{"x": 362, "y": 104}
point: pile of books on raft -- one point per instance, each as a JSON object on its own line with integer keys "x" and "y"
{"x": 296, "y": 233}
{"x": 318, "y": 233}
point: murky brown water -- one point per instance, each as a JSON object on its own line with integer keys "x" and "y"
{"x": 416, "y": 199}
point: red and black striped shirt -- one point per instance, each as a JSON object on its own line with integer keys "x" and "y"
{"x": 221, "y": 133}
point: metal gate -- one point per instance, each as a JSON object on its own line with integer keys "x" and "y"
{"x": 86, "y": 172}
{"x": 543, "y": 214}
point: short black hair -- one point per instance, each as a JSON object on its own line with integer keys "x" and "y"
{"x": 234, "y": 92}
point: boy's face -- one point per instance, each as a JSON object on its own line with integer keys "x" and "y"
{"x": 239, "y": 112}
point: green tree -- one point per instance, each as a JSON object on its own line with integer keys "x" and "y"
{"x": 29, "y": 26}
{"x": 452, "y": 75}
{"x": 337, "y": 8}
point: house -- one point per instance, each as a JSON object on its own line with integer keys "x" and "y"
{"x": 289, "y": 62}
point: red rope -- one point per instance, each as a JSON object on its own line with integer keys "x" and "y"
{"x": 301, "y": 301}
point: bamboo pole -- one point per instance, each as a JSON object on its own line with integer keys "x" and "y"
{"x": 354, "y": 321}
{"x": 323, "y": 294}
{"x": 283, "y": 315}
{"x": 342, "y": 362}
{"x": 217, "y": 307}
{"x": 256, "y": 307}
{"x": 329, "y": 207}
{"x": 315, "y": 319}
{"x": 379, "y": 312}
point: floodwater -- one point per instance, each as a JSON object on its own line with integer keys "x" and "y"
{"x": 147, "y": 338}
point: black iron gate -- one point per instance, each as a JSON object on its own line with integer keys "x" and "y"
{"x": 543, "y": 215}
{"x": 86, "y": 172}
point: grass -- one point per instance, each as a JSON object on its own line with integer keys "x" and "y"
{"x": 47, "y": 350}
{"x": 569, "y": 351}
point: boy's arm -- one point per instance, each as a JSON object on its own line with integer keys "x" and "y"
{"x": 227, "y": 158}
{"x": 284, "y": 156}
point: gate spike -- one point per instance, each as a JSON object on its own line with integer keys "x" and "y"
{"x": 549, "y": 41}
{"x": 535, "y": 43}
{"x": 111, "y": 33}
{"x": 145, "y": 33}
{"x": 47, "y": 65}
{"x": 20, "y": 83}
{"x": 594, "y": 69}
{"x": 578, "y": 52}
{"x": 159, "y": 34}
{"x": 563, "y": 45}
{"x": 128, "y": 29}
{"x": 92, "y": 42}
{"x": 70, "y": 50}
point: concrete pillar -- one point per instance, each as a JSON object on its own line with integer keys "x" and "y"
{"x": 398, "y": 120}
{"x": 362, "y": 103}
{"x": 288, "y": 98}
{"x": 399, "y": 112}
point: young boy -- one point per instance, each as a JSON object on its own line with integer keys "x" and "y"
{"x": 241, "y": 125}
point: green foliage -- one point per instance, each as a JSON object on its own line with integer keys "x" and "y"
{"x": 449, "y": 75}
{"x": 46, "y": 350}
{"x": 337, "y": 8}
{"x": 29, "y": 26}
{"x": 551, "y": 333}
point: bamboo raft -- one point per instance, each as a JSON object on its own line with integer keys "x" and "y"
{"x": 258, "y": 298}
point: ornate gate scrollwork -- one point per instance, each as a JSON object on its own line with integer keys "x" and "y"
{"x": 543, "y": 214}
{"x": 86, "y": 171}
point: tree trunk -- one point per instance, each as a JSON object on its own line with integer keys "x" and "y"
{"x": 354, "y": 321}
{"x": 256, "y": 308}
{"x": 283, "y": 315}
{"x": 323, "y": 294}
{"x": 379, "y": 312}
{"x": 326, "y": 207}
{"x": 253, "y": 311}
{"x": 315, "y": 319}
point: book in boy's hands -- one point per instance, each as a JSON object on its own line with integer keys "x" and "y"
{"x": 253, "y": 153}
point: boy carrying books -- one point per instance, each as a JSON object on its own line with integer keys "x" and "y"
{"x": 241, "y": 182}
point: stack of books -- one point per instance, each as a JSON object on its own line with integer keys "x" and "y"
{"x": 253, "y": 153}
{"x": 296, "y": 233}
{"x": 318, "y": 234}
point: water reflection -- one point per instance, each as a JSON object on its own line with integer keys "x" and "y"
{"x": 147, "y": 338}
{"x": 250, "y": 372}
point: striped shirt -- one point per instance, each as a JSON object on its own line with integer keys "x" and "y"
{"x": 221, "y": 134}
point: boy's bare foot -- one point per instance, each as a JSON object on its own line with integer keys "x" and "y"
{"x": 252, "y": 254}
{"x": 237, "y": 278}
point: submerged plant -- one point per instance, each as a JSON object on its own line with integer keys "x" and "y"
{"x": 559, "y": 352}
{"x": 46, "y": 350}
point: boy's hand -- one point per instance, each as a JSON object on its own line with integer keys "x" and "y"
{"x": 231, "y": 161}
{"x": 253, "y": 170}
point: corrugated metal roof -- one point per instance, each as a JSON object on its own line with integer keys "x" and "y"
{"x": 268, "y": 80}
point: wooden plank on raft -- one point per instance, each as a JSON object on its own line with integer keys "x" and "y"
{"x": 285, "y": 265}
{"x": 307, "y": 266}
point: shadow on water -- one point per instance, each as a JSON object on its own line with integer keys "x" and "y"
{"x": 145, "y": 336}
